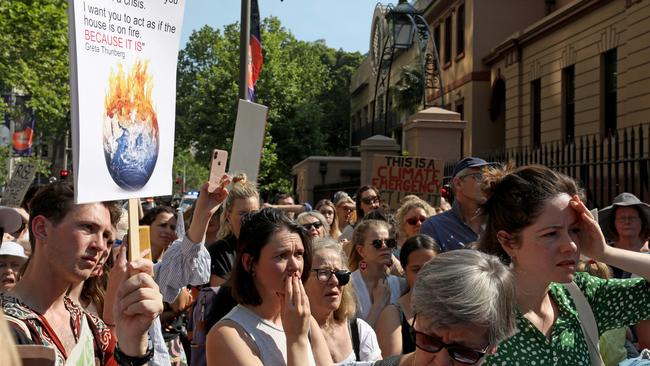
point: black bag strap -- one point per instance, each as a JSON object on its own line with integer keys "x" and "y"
{"x": 354, "y": 332}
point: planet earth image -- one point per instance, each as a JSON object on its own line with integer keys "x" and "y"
{"x": 130, "y": 127}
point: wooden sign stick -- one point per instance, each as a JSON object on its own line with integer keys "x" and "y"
{"x": 134, "y": 229}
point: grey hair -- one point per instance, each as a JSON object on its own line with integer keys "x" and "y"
{"x": 301, "y": 220}
{"x": 319, "y": 244}
{"x": 464, "y": 287}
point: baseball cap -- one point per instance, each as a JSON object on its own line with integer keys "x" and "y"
{"x": 469, "y": 162}
{"x": 13, "y": 249}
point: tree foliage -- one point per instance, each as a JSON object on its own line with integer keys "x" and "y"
{"x": 304, "y": 84}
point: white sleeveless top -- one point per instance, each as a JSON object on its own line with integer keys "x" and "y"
{"x": 397, "y": 286}
{"x": 269, "y": 338}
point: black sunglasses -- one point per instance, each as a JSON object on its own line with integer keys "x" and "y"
{"x": 433, "y": 344}
{"x": 324, "y": 275}
{"x": 414, "y": 220}
{"x": 369, "y": 200}
{"x": 390, "y": 243}
{"x": 317, "y": 225}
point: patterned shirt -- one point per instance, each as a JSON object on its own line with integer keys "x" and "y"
{"x": 615, "y": 303}
{"x": 30, "y": 327}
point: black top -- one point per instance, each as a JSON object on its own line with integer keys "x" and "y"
{"x": 408, "y": 345}
{"x": 222, "y": 256}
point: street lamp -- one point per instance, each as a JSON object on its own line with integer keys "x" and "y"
{"x": 403, "y": 26}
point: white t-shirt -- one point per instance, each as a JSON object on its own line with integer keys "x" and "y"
{"x": 397, "y": 286}
{"x": 369, "y": 350}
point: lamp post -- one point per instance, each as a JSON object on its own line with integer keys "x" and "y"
{"x": 394, "y": 32}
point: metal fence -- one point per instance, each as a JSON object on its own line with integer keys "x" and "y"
{"x": 603, "y": 166}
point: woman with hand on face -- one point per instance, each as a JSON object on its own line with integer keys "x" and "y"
{"x": 272, "y": 325}
{"x": 370, "y": 260}
{"x": 393, "y": 326}
{"x": 328, "y": 210}
{"x": 410, "y": 217}
{"x": 351, "y": 341}
{"x": 315, "y": 224}
{"x": 537, "y": 222}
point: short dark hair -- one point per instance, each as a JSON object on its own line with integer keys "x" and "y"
{"x": 150, "y": 216}
{"x": 280, "y": 196}
{"x": 256, "y": 230}
{"x": 414, "y": 243}
{"x": 645, "y": 226}
{"x": 54, "y": 201}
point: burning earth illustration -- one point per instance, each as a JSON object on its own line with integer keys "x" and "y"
{"x": 130, "y": 128}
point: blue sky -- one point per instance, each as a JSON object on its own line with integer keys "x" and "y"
{"x": 341, "y": 23}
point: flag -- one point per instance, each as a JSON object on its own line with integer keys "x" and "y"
{"x": 23, "y": 119}
{"x": 254, "y": 50}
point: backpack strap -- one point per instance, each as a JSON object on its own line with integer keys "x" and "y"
{"x": 587, "y": 322}
{"x": 354, "y": 333}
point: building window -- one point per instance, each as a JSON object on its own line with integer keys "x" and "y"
{"x": 536, "y": 113}
{"x": 568, "y": 103}
{"x": 460, "y": 31}
{"x": 447, "y": 50}
{"x": 436, "y": 39}
{"x": 609, "y": 85}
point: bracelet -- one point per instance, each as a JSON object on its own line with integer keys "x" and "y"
{"x": 125, "y": 360}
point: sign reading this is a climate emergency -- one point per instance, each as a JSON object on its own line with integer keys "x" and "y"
{"x": 398, "y": 176}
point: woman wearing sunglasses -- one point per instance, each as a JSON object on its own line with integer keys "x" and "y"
{"x": 332, "y": 302}
{"x": 367, "y": 199}
{"x": 537, "y": 222}
{"x": 314, "y": 223}
{"x": 393, "y": 326}
{"x": 410, "y": 217}
{"x": 328, "y": 210}
{"x": 463, "y": 305}
{"x": 370, "y": 259}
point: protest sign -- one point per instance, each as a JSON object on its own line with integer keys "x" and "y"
{"x": 249, "y": 139}
{"x": 399, "y": 176}
{"x": 123, "y": 56}
{"x": 22, "y": 178}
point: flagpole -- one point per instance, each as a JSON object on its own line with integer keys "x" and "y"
{"x": 244, "y": 41}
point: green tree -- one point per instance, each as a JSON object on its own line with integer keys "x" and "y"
{"x": 304, "y": 84}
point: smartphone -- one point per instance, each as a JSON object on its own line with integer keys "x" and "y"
{"x": 217, "y": 169}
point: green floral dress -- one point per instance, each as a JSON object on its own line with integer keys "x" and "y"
{"x": 615, "y": 303}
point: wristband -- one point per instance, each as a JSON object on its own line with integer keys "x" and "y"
{"x": 125, "y": 360}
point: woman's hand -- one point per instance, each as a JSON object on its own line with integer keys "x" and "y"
{"x": 591, "y": 241}
{"x": 381, "y": 293}
{"x": 295, "y": 309}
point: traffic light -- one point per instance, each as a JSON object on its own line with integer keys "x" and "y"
{"x": 63, "y": 174}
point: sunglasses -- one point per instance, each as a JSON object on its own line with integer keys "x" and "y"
{"x": 477, "y": 176}
{"x": 317, "y": 225}
{"x": 369, "y": 200}
{"x": 433, "y": 344}
{"x": 390, "y": 243}
{"x": 324, "y": 275}
{"x": 414, "y": 220}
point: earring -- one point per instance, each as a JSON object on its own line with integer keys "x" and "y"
{"x": 363, "y": 265}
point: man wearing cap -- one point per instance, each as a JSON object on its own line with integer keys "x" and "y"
{"x": 67, "y": 241}
{"x": 456, "y": 228}
{"x": 12, "y": 257}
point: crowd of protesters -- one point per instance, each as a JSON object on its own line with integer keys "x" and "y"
{"x": 516, "y": 271}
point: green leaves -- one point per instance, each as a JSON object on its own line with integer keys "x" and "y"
{"x": 304, "y": 84}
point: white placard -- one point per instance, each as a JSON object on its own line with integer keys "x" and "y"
{"x": 249, "y": 139}
{"x": 123, "y": 56}
{"x": 22, "y": 178}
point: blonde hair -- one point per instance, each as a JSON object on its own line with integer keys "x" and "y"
{"x": 8, "y": 352}
{"x": 407, "y": 206}
{"x": 598, "y": 269}
{"x": 348, "y": 306}
{"x": 241, "y": 189}
{"x": 359, "y": 238}
{"x": 334, "y": 228}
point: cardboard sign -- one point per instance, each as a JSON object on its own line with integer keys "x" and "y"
{"x": 398, "y": 176}
{"x": 123, "y": 56}
{"x": 249, "y": 139}
{"x": 22, "y": 178}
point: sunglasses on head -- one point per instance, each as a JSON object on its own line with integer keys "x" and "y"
{"x": 324, "y": 275}
{"x": 390, "y": 243}
{"x": 317, "y": 225}
{"x": 369, "y": 200}
{"x": 414, "y": 220}
{"x": 434, "y": 344}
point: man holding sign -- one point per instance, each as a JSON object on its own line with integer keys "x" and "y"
{"x": 67, "y": 242}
